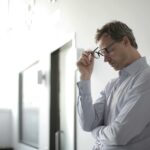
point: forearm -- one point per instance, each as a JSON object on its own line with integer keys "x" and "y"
{"x": 84, "y": 105}
{"x": 130, "y": 122}
{"x": 109, "y": 135}
{"x": 90, "y": 115}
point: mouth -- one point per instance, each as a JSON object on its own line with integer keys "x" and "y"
{"x": 112, "y": 64}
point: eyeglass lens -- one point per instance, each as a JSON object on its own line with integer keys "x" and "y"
{"x": 98, "y": 52}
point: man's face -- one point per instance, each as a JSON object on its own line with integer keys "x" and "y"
{"x": 117, "y": 55}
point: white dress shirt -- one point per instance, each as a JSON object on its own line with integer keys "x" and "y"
{"x": 120, "y": 117}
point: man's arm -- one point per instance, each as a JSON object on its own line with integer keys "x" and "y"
{"x": 132, "y": 119}
{"x": 90, "y": 115}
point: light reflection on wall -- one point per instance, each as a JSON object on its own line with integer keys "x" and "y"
{"x": 21, "y": 43}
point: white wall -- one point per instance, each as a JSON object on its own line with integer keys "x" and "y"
{"x": 5, "y": 128}
{"x": 82, "y": 17}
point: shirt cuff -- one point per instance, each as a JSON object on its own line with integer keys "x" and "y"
{"x": 95, "y": 132}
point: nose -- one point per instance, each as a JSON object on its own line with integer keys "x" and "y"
{"x": 106, "y": 57}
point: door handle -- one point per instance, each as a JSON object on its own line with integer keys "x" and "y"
{"x": 41, "y": 76}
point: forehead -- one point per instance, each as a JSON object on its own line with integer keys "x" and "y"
{"x": 105, "y": 41}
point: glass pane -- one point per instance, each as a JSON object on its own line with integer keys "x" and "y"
{"x": 29, "y": 107}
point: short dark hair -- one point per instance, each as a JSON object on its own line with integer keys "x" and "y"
{"x": 116, "y": 30}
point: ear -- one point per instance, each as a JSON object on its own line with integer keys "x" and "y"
{"x": 126, "y": 41}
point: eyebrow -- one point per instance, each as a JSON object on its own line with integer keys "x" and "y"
{"x": 109, "y": 45}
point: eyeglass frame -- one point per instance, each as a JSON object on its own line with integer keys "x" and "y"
{"x": 103, "y": 50}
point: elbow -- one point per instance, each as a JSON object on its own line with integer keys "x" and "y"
{"x": 86, "y": 127}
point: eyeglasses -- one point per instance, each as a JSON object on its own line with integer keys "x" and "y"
{"x": 97, "y": 52}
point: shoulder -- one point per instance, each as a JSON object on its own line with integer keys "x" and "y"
{"x": 141, "y": 82}
{"x": 143, "y": 76}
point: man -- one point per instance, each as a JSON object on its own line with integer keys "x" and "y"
{"x": 120, "y": 117}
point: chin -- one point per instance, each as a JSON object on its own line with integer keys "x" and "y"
{"x": 116, "y": 68}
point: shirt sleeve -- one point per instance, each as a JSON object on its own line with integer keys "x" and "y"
{"x": 132, "y": 119}
{"x": 90, "y": 115}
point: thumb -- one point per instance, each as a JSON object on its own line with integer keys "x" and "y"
{"x": 91, "y": 58}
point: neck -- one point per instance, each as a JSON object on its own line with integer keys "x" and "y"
{"x": 134, "y": 55}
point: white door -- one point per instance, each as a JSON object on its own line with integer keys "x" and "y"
{"x": 67, "y": 59}
{"x": 62, "y": 114}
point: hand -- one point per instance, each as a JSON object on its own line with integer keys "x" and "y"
{"x": 85, "y": 65}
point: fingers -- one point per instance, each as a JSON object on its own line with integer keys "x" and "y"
{"x": 87, "y": 55}
{"x": 86, "y": 58}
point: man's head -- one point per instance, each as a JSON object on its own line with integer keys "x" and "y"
{"x": 116, "y": 30}
{"x": 120, "y": 42}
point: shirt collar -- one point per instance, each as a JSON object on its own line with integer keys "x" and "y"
{"x": 136, "y": 66}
